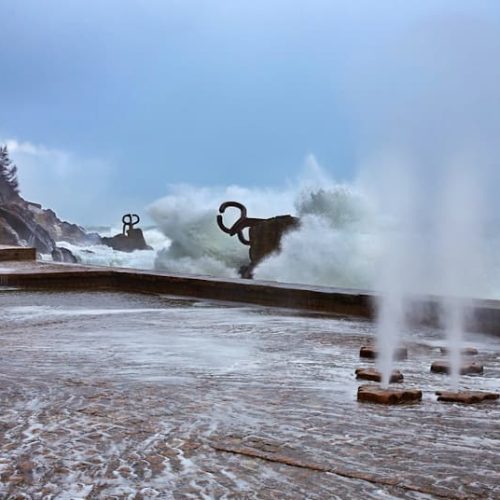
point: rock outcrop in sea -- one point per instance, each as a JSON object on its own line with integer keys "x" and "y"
{"x": 132, "y": 240}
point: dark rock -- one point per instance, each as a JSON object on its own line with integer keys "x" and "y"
{"x": 7, "y": 235}
{"x": 133, "y": 240}
{"x": 466, "y": 351}
{"x": 368, "y": 351}
{"x": 29, "y": 233}
{"x": 376, "y": 376}
{"x": 376, "y": 394}
{"x": 61, "y": 254}
{"x": 465, "y": 369}
{"x": 61, "y": 230}
{"x": 466, "y": 397}
{"x": 18, "y": 227}
{"x": 23, "y": 223}
{"x": 371, "y": 352}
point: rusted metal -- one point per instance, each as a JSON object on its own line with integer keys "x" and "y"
{"x": 242, "y": 223}
{"x": 264, "y": 235}
{"x": 129, "y": 221}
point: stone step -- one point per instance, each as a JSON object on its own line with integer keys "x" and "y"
{"x": 10, "y": 253}
{"x": 371, "y": 352}
{"x": 376, "y": 394}
{"x": 466, "y": 397}
{"x": 465, "y": 368}
{"x": 375, "y": 376}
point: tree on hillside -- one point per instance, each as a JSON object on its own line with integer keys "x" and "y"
{"x": 8, "y": 172}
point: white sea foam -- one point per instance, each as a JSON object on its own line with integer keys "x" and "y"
{"x": 348, "y": 235}
{"x": 102, "y": 255}
{"x": 336, "y": 244}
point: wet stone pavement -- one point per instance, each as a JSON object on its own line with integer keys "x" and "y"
{"x": 107, "y": 395}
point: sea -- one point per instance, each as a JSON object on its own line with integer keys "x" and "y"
{"x": 383, "y": 231}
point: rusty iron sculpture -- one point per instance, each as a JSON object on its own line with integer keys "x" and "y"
{"x": 264, "y": 235}
{"x": 131, "y": 239}
{"x": 129, "y": 221}
{"x": 242, "y": 223}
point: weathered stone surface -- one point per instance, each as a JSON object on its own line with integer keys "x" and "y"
{"x": 442, "y": 366}
{"x": 371, "y": 352}
{"x": 27, "y": 224}
{"x": 301, "y": 297}
{"x": 466, "y": 397}
{"x": 105, "y": 424}
{"x": 466, "y": 351}
{"x": 133, "y": 240}
{"x": 368, "y": 351}
{"x": 7, "y": 235}
{"x": 376, "y": 394}
{"x": 29, "y": 233}
{"x": 60, "y": 230}
{"x": 375, "y": 376}
{"x": 8, "y": 253}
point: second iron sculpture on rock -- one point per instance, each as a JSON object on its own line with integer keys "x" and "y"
{"x": 131, "y": 238}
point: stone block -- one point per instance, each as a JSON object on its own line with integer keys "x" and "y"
{"x": 379, "y": 395}
{"x": 466, "y": 368}
{"x": 371, "y": 352}
{"x": 466, "y": 397}
{"x": 466, "y": 351}
{"x": 375, "y": 376}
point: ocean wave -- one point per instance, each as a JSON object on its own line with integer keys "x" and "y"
{"x": 102, "y": 255}
{"x": 336, "y": 244}
{"x": 387, "y": 233}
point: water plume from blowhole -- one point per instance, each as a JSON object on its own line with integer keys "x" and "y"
{"x": 437, "y": 248}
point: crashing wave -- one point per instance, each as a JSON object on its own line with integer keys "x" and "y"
{"x": 335, "y": 245}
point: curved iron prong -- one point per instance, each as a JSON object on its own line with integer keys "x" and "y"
{"x": 242, "y": 223}
{"x": 234, "y": 204}
{"x": 249, "y": 222}
{"x": 221, "y": 225}
{"x": 243, "y": 214}
{"x": 242, "y": 238}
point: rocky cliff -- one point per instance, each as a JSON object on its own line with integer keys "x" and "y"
{"x": 23, "y": 223}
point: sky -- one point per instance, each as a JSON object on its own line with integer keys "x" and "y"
{"x": 105, "y": 103}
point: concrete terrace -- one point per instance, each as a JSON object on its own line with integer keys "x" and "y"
{"x": 193, "y": 388}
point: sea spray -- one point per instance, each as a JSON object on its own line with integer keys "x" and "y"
{"x": 390, "y": 322}
{"x": 187, "y": 216}
{"x": 437, "y": 247}
{"x": 102, "y": 255}
{"x": 395, "y": 193}
{"x": 454, "y": 314}
{"x": 319, "y": 254}
{"x": 336, "y": 245}
{"x": 348, "y": 236}
{"x": 461, "y": 253}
